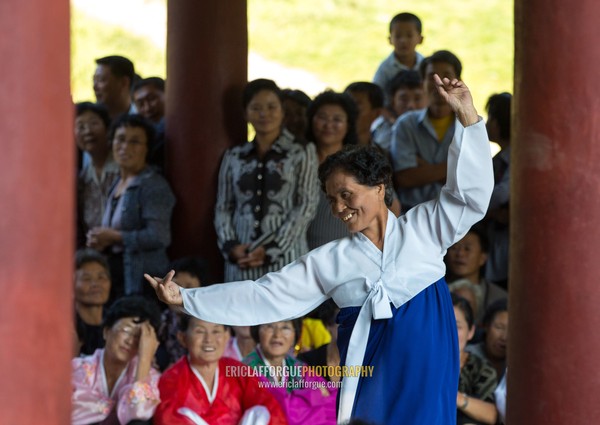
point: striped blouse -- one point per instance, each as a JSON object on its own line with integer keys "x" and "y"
{"x": 257, "y": 196}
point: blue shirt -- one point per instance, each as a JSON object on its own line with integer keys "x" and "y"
{"x": 413, "y": 135}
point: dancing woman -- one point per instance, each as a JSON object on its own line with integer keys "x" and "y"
{"x": 387, "y": 278}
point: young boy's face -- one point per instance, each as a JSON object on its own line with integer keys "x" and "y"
{"x": 405, "y": 38}
{"x": 444, "y": 70}
{"x": 408, "y": 99}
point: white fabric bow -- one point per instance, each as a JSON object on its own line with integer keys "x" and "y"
{"x": 376, "y": 306}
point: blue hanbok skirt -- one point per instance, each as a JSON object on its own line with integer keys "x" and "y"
{"x": 415, "y": 359}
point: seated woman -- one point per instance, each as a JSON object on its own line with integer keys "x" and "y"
{"x": 117, "y": 385}
{"x": 305, "y": 399}
{"x": 207, "y": 388}
{"x": 495, "y": 337}
{"x": 477, "y": 381}
{"x": 466, "y": 259}
{"x": 136, "y": 227}
{"x": 92, "y": 288}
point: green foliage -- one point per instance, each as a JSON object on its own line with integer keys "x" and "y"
{"x": 92, "y": 39}
{"x": 344, "y": 41}
{"x": 338, "y": 40}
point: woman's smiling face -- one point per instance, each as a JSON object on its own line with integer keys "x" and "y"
{"x": 205, "y": 341}
{"x": 277, "y": 339}
{"x": 359, "y": 206}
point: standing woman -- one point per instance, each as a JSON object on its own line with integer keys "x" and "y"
{"x": 331, "y": 126}
{"x": 136, "y": 226}
{"x": 98, "y": 176}
{"x": 396, "y": 314}
{"x": 267, "y": 189}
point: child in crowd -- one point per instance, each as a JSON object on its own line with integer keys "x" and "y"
{"x": 405, "y": 36}
{"x": 406, "y": 94}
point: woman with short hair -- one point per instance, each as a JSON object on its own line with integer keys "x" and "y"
{"x": 136, "y": 226}
{"x": 117, "y": 384}
{"x": 267, "y": 191}
{"x": 396, "y": 316}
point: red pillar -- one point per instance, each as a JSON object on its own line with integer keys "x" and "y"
{"x": 36, "y": 218}
{"x": 207, "y": 50}
{"x": 554, "y": 374}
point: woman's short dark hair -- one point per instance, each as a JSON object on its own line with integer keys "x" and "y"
{"x": 255, "y": 86}
{"x": 343, "y": 100}
{"x": 296, "y": 323}
{"x": 133, "y": 306}
{"x": 95, "y": 108}
{"x": 135, "y": 120}
{"x": 463, "y": 305}
{"x": 89, "y": 255}
{"x": 367, "y": 164}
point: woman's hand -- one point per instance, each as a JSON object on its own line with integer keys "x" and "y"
{"x": 254, "y": 258}
{"x": 458, "y": 96}
{"x": 146, "y": 350}
{"x": 245, "y": 259}
{"x": 238, "y": 252}
{"x": 99, "y": 238}
{"x": 148, "y": 341}
{"x": 166, "y": 289}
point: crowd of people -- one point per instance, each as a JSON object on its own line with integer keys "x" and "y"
{"x": 297, "y": 209}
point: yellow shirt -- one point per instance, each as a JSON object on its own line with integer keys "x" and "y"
{"x": 441, "y": 125}
{"x": 314, "y": 334}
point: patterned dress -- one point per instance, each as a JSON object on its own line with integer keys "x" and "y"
{"x": 276, "y": 194}
{"x": 477, "y": 379}
{"x": 128, "y": 400}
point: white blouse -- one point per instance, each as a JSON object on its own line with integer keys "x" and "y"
{"x": 354, "y": 272}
